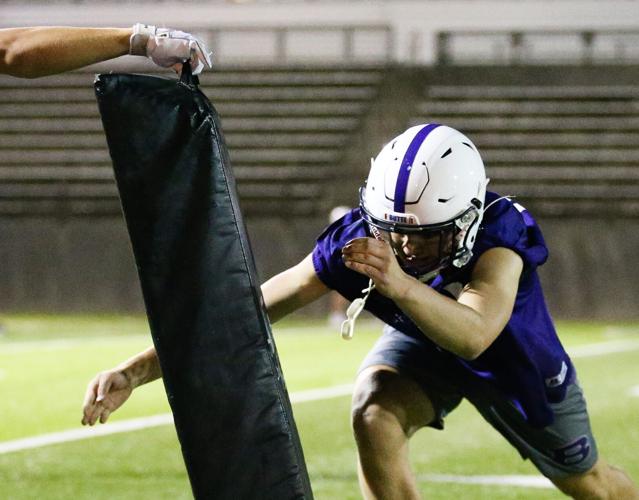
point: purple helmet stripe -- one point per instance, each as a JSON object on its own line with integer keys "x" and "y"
{"x": 407, "y": 164}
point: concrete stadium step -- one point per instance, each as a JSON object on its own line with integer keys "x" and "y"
{"x": 267, "y": 139}
{"x": 223, "y": 93}
{"x": 48, "y": 173}
{"x": 214, "y": 93}
{"x": 71, "y": 207}
{"x": 281, "y": 192}
{"x": 101, "y": 190}
{"x": 604, "y": 92}
{"x": 28, "y": 140}
{"x": 600, "y": 139}
{"x": 551, "y": 189}
{"x": 534, "y": 124}
{"x": 104, "y": 173}
{"x": 47, "y": 109}
{"x": 222, "y": 75}
{"x": 288, "y": 76}
{"x": 319, "y": 124}
{"x": 240, "y": 155}
{"x": 230, "y": 124}
{"x": 285, "y": 108}
{"x": 257, "y": 173}
{"x": 61, "y": 207}
{"x": 238, "y": 139}
{"x": 58, "y": 190}
{"x": 52, "y": 157}
{"x": 45, "y": 95}
{"x": 561, "y": 108}
{"x": 303, "y": 155}
{"x": 275, "y": 208}
{"x": 583, "y": 156}
{"x": 583, "y": 208}
{"x": 599, "y": 173}
{"x": 225, "y": 109}
{"x": 71, "y": 125}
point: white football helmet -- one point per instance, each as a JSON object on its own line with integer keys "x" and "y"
{"x": 425, "y": 196}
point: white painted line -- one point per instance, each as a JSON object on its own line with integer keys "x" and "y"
{"x": 603, "y": 348}
{"x": 61, "y": 344}
{"x": 146, "y": 422}
{"x": 514, "y": 480}
{"x": 635, "y": 391}
{"x": 85, "y": 433}
{"x": 324, "y": 393}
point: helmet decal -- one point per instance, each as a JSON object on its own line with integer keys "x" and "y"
{"x": 407, "y": 165}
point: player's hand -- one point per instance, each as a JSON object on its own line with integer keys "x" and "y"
{"x": 105, "y": 394}
{"x": 167, "y": 48}
{"x": 375, "y": 259}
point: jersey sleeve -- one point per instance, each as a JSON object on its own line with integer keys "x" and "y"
{"x": 510, "y": 225}
{"x": 327, "y": 254}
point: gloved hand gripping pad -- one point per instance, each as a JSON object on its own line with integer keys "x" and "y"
{"x": 220, "y": 366}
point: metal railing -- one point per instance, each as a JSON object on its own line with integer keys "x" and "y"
{"x": 285, "y": 44}
{"x": 530, "y": 46}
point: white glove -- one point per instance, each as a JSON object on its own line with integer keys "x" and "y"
{"x": 167, "y": 47}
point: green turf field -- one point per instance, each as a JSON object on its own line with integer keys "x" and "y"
{"x": 45, "y": 363}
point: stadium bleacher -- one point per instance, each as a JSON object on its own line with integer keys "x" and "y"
{"x": 565, "y": 150}
{"x": 286, "y": 129}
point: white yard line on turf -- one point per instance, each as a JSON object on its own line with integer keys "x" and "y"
{"x": 513, "y": 480}
{"x": 62, "y": 344}
{"x": 591, "y": 350}
{"x": 146, "y": 422}
{"x": 85, "y": 433}
{"x": 635, "y": 391}
{"x": 603, "y": 348}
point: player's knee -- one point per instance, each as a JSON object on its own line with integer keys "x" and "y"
{"x": 373, "y": 408}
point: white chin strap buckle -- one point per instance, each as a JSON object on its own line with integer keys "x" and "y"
{"x": 353, "y": 311}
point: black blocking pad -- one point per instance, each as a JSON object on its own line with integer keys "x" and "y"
{"x": 209, "y": 326}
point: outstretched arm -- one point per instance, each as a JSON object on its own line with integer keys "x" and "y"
{"x": 283, "y": 294}
{"x": 292, "y": 289}
{"x": 41, "y": 51}
{"x": 35, "y": 52}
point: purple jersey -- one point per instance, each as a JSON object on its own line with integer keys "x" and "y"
{"x": 526, "y": 362}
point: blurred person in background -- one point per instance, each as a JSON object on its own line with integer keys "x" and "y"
{"x": 451, "y": 269}
{"x": 41, "y": 51}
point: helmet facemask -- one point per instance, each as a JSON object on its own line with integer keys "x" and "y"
{"x": 424, "y": 250}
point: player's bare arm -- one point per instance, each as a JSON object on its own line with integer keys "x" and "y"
{"x": 41, "y": 51}
{"x": 283, "y": 294}
{"x": 465, "y": 327}
{"x": 292, "y": 289}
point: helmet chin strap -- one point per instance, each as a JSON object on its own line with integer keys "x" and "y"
{"x": 357, "y": 306}
{"x": 354, "y": 310}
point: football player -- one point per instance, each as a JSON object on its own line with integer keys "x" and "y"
{"x": 451, "y": 269}
{"x": 40, "y": 51}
